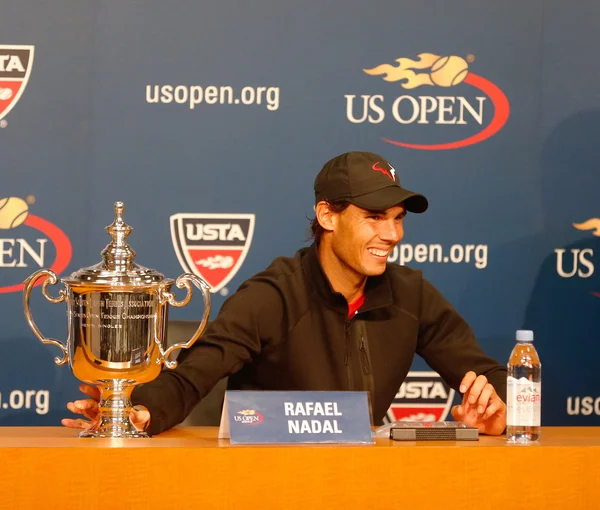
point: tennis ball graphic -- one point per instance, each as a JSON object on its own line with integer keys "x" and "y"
{"x": 449, "y": 71}
{"x": 5, "y": 94}
{"x": 13, "y": 212}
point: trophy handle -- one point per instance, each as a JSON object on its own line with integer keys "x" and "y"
{"x": 183, "y": 281}
{"x": 62, "y": 295}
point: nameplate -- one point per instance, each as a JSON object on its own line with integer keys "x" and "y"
{"x": 281, "y": 417}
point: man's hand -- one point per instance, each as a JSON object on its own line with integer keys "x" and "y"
{"x": 481, "y": 406}
{"x": 89, "y": 409}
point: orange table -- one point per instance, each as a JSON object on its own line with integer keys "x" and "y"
{"x": 49, "y": 467}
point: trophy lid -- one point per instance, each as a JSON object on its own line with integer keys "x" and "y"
{"x": 117, "y": 267}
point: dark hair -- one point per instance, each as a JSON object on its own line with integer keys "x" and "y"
{"x": 315, "y": 227}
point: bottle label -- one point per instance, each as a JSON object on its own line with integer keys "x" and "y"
{"x": 524, "y": 402}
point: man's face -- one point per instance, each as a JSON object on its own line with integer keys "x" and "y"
{"x": 362, "y": 240}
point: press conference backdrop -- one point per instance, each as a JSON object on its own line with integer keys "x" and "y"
{"x": 209, "y": 120}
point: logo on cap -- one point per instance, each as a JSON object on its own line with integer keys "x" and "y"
{"x": 212, "y": 246}
{"x": 391, "y": 173}
{"x": 15, "y": 68}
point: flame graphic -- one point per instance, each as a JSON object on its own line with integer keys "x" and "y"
{"x": 247, "y": 412}
{"x": 591, "y": 224}
{"x": 446, "y": 71}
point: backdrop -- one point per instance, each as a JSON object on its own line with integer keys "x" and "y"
{"x": 210, "y": 120}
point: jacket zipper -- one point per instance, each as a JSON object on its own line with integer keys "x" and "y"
{"x": 367, "y": 377}
{"x": 348, "y": 357}
{"x": 363, "y": 349}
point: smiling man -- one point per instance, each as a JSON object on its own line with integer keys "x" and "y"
{"x": 336, "y": 316}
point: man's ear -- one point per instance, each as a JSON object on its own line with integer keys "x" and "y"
{"x": 325, "y": 216}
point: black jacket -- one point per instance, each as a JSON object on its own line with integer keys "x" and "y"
{"x": 286, "y": 329}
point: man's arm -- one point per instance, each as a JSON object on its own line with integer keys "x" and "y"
{"x": 250, "y": 316}
{"x": 447, "y": 344}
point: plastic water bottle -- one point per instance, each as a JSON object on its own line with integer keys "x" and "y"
{"x": 524, "y": 391}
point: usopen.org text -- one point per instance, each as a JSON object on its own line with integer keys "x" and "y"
{"x": 476, "y": 254}
{"x": 38, "y": 400}
{"x": 193, "y": 95}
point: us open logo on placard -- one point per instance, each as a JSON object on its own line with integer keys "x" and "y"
{"x": 451, "y": 107}
{"x": 212, "y": 246}
{"x": 248, "y": 417}
{"x": 15, "y": 69}
{"x": 423, "y": 396}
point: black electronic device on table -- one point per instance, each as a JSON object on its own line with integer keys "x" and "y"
{"x": 433, "y": 431}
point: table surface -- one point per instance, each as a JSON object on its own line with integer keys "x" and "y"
{"x": 189, "y": 467}
{"x": 206, "y": 437}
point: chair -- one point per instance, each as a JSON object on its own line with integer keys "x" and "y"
{"x": 208, "y": 411}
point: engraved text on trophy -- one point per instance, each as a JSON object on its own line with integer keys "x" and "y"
{"x": 116, "y": 327}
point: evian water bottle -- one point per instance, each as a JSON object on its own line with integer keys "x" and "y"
{"x": 524, "y": 391}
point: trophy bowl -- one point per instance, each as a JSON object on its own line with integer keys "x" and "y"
{"x": 117, "y": 313}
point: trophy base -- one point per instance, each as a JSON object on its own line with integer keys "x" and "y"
{"x": 115, "y": 410}
{"x": 114, "y": 434}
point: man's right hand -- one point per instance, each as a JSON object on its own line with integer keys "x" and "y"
{"x": 89, "y": 409}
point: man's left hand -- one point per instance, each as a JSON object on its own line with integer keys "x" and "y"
{"x": 481, "y": 406}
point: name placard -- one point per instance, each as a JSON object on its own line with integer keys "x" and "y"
{"x": 280, "y": 417}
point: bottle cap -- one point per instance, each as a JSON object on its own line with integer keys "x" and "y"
{"x": 524, "y": 335}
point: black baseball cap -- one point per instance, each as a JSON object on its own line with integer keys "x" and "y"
{"x": 366, "y": 180}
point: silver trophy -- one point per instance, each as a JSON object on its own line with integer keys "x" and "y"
{"x": 117, "y": 313}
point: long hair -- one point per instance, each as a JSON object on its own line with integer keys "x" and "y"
{"x": 315, "y": 227}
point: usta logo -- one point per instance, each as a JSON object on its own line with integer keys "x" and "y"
{"x": 435, "y": 71}
{"x": 28, "y": 244}
{"x": 10, "y": 63}
{"x": 423, "y": 389}
{"x": 212, "y": 246}
{"x": 214, "y": 231}
{"x": 15, "y": 68}
{"x": 423, "y": 396}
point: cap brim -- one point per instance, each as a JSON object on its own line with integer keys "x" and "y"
{"x": 390, "y": 197}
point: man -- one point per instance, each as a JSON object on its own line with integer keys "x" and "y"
{"x": 336, "y": 316}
